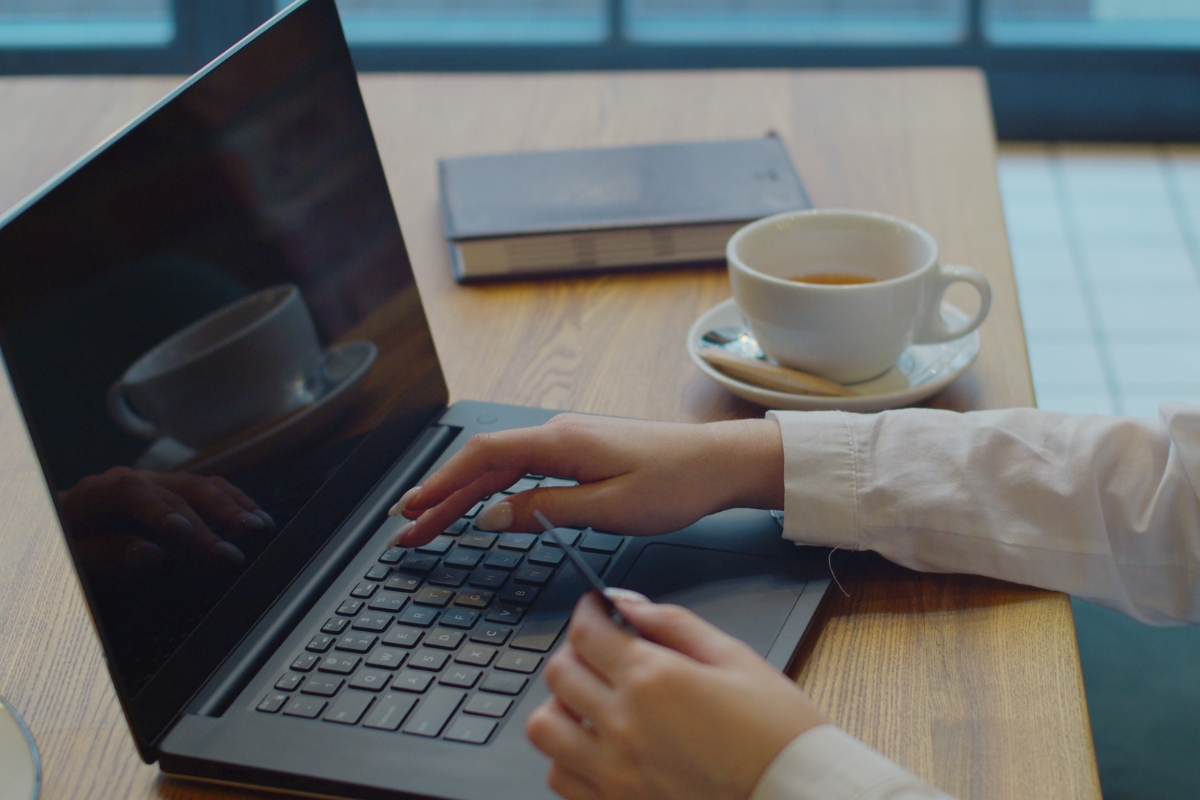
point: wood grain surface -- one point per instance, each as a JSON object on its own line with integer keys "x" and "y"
{"x": 972, "y": 683}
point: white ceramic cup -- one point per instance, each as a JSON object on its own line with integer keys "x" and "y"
{"x": 243, "y": 364}
{"x": 849, "y": 332}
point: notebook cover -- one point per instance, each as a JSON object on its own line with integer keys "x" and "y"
{"x": 662, "y": 184}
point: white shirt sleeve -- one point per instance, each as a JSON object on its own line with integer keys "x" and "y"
{"x": 1103, "y": 508}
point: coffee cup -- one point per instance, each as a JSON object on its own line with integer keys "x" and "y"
{"x": 243, "y": 364}
{"x": 842, "y": 294}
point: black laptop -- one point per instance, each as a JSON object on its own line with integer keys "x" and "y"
{"x": 298, "y": 650}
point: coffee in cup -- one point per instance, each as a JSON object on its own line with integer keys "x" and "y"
{"x": 243, "y": 364}
{"x": 841, "y": 294}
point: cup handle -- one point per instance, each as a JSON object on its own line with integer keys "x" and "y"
{"x": 120, "y": 410}
{"x": 935, "y": 329}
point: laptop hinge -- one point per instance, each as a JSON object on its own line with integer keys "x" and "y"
{"x": 279, "y": 621}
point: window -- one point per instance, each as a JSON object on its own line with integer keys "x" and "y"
{"x": 85, "y": 23}
{"x": 1093, "y": 23}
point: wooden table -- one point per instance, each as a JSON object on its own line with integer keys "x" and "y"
{"x": 972, "y": 683}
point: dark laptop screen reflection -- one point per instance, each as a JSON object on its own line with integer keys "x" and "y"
{"x": 261, "y": 176}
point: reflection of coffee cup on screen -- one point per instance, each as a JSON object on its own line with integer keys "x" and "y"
{"x": 245, "y": 363}
{"x": 842, "y": 293}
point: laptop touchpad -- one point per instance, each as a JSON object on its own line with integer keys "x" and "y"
{"x": 746, "y": 596}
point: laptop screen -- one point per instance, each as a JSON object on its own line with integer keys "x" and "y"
{"x": 202, "y": 320}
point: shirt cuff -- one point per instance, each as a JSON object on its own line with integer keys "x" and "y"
{"x": 820, "y": 477}
{"x": 826, "y": 763}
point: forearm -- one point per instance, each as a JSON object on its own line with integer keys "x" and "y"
{"x": 1101, "y": 507}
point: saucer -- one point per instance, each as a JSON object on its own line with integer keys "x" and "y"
{"x": 922, "y": 370}
{"x": 344, "y": 367}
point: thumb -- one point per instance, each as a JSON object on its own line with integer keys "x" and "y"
{"x": 681, "y": 630}
{"x": 570, "y": 506}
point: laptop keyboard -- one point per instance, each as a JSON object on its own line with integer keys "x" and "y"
{"x": 441, "y": 640}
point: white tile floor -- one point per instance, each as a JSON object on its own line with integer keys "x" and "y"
{"x": 1106, "y": 248}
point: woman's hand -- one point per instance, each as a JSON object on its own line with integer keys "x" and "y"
{"x": 634, "y": 477}
{"x": 686, "y": 712}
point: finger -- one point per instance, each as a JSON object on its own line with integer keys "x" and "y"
{"x": 578, "y": 506}
{"x": 597, "y": 641}
{"x": 562, "y": 738}
{"x": 212, "y": 500}
{"x": 117, "y": 554}
{"x": 244, "y": 500}
{"x": 203, "y": 542}
{"x": 570, "y": 785}
{"x": 145, "y": 502}
{"x": 681, "y": 630}
{"x": 579, "y": 689}
{"x": 433, "y": 521}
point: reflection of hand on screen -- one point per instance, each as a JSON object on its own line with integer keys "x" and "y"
{"x": 172, "y": 509}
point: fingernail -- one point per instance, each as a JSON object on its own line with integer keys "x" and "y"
{"x": 229, "y": 554}
{"x": 628, "y": 595}
{"x": 143, "y": 554}
{"x": 180, "y": 524}
{"x": 402, "y": 503}
{"x": 251, "y": 521}
{"x": 402, "y": 534}
{"x": 496, "y": 517}
{"x": 266, "y": 518}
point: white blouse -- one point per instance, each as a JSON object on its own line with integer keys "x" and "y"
{"x": 1104, "y": 508}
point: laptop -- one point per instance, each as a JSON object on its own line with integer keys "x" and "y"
{"x": 298, "y": 650}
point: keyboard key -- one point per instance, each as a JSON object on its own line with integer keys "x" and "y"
{"x": 319, "y": 643}
{"x": 322, "y": 685}
{"x": 430, "y": 596}
{"x": 477, "y": 540}
{"x": 357, "y": 642}
{"x": 386, "y": 658}
{"x": 349, "y": 708}
{"x": 457, "y": 527}
{"x": 392, "y": 555}
{"x": 403, "y": 637}
{"x": 523, "y": 485}
{"x": 434, "y": 712}
{"x": 439, "y": 546}
{"x": 514, "y": 661}
{"x": 372, "y": 680}
{"x": 518, "y": 541}
{"x": 532, "y": 573}
{"x": 272, "y": 702}
{"x": 597, "y": 542}
{"x": 475, "y": 509}
{"x": 388, "y": 601}
{"x": 547, "y": 556}
{"x": 518, "y": 593}
{"x": 472, "y": 730}
{"x": 350, "y": 608}
{"x": 508, "y": 613}
{"x": 488, "y": 705}
{"x": 418, "y": 563}
{"x": 430, "y": 660}
{"x": 474, "y": 599}
{"x": 489, "y": 578}
{"x": 421, "y": 616}
{"x": 364, "y": 591}
{"x": 491, "y": 634}
{"x": 340, "y": 664}
{"x": 569, "y": 536}
{"x": 305, "y": 662}
{"x": 459, "y": 618}
{"x": 411, "y": 681}
{"x": 444, "y": 639}
{"x": 498, "y": 560}
{"x": 376, "y": 623}
{"x": 445, "y": 576}
{"x": 289, "y": 681}
{"x": 389, "y": 713}
{"x": 597, "y": 561}
{"x": 402, "y": 583}
{"x": 335, "y": 625}
{"x": 546, "y": 621}
{"x": 504, "y": 683}
{"x": 379, "y": 572}
{"x": 462, "y": 677}
{"x": 477, "y": 654}
{"x": 307, "y": 707}
{"x": 463, "y": 558}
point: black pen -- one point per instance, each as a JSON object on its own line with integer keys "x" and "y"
{"x": 597, "y": 585}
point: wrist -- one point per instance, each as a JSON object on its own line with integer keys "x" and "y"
{"x": 752, "y": 449}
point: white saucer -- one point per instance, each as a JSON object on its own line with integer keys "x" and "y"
{"x": 344, "y": 368}
{"x": 922, "y": 370}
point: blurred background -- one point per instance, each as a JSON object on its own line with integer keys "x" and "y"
{"x": 1096, "y": 104}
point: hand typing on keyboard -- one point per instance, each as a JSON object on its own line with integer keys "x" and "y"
{"x": 634, "y": 477}
{"x": 686, "y": 712}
